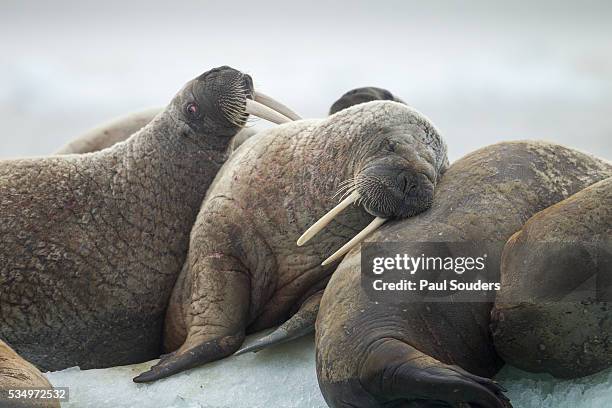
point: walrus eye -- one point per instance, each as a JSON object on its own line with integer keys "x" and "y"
{"x": 391, "y": 146}
{"x": 193, "y": 109}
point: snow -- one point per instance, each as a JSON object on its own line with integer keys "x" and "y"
{"x": 285, "y": 377}
{"x": 282, "y": 377}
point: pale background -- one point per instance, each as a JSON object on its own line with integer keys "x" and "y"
{"x": 482, "y": 71}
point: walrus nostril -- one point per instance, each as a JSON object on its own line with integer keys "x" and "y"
{"x": 248, "y": 83}
{"x": 406, "y": 184}
{"x": 402, "y": 182}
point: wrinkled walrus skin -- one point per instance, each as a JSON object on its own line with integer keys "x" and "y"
{"x": 92, "y": 244}
{"x": 18, "y": 374}
{"x": 438, "y": 354}
{"x": 244, "y": 271}
{"x": 542, "y": 322}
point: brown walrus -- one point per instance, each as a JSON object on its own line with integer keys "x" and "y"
{"x": 373, "y": 353}
{"x": 92, "y": 244}
{"x": 303, "y": 321}
{"x": 553, "y": 313}
{"x": 244, "y": 271}
{"x": 16, "y": 374}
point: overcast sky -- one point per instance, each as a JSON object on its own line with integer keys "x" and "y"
{"x": 483, "y": 73}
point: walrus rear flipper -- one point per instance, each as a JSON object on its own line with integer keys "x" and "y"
{"x": 300, "y": 324}
{"x": 395, "y": 371}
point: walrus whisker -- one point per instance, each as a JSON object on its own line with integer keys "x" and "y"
{"x": 346, "y": 187}
{"x": 373, "y": 226}
{"x": 346, "y": 182}
{"x": 260, "y": 110}
{"x": 348, "y": 192}
{"x": 327, "y": 218}
{"x": 276, "y": 105}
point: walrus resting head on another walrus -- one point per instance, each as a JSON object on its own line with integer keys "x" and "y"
{"x": 92, "y": 243}
{"x": 374, "y": 352}
{"x": 244, "y": 271}
{"x": 303, "y": 321}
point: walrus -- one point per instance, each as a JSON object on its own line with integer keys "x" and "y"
{"x": 244, "y": 272}
{"x": 119, "y": 129}
{"x": 374, "y": 353}
{"x": 109, "y": 133}
{"x": 92, "y": 243}
{"x": 17, "y": 374}
{"x": 361, "y": 95}
{"x": 553, "y": 312}
{"x": 302, "y": 322}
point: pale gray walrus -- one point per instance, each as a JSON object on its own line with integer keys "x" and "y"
{"x": 18, "y": 375}
{"x": 119, "y": 129}
{"x": 92, "y": 244}
{"x": 244, "y": 271}
{"x": 553, "y": 312}
{"x": 374, "y": 353}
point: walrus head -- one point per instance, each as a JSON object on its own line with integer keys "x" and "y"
{"x": 396, "y": 181}
{"x": 401, "y": 158}
{"x": 362, "y": 95}
{"x": 220, "y": 100}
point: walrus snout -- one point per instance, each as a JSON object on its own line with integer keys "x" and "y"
{"x": 228, "y": 94}
{"x": 394, "y": 193}
{"x": 248, "y": 83}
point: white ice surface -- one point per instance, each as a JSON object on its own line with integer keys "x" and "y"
{"x": 282, "y": 377}
{"x": 285, "y": 377}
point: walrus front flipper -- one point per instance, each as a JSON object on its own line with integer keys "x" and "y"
{"x": 190, "y": 357}
{"x": 397, "y": 372}
{"x": 300, "y": 324}
{"x": 215, "y": 315}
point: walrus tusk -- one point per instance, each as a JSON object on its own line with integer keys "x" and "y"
{"x": 276, "y": 105}
{"x": 260, "y": 110}
{"x": 327, "y": 218}
{"x": 377, "y": 222}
